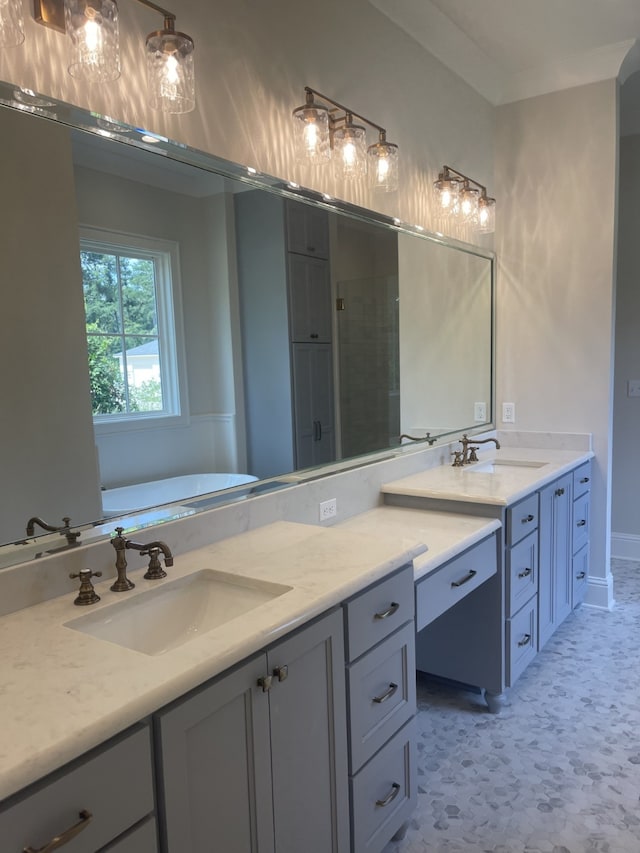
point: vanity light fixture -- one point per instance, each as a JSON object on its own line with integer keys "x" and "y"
{"x": 93, "y": 34}
{"x": 11, "y": 23}
{"x": 325, "y": 131}
{"x": 461, "y": 198}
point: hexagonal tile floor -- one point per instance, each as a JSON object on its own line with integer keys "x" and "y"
{"x": 558, "y": 770}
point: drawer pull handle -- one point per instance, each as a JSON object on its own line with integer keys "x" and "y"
{"x": 472, "y": 574}
{"x": 281, "y": 672}
{"x": 64, "y": 837}
{"x": 395, "y": 790}
{"x": 584, "y": 480}
{"x": 528, "y": 518}
{"x": 389, "y": 612}
{"x": 525, "y": 640}
{"x": 581, "y": 576}
{"x": 387, "y": 694}
{"x": 559, "y": 492}
{"x": 265, "y": 682}
{"x": 525, "y": 573}
{"x": 581, "y": 523}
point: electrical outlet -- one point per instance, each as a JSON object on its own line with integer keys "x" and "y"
{"x": 480, "y": 412}
{"x": 328, "y": 509}
{"x": 508, "y": 413}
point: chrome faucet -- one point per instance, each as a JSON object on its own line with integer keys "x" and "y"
{"x": 469, "y": 453}
{"x": 64, "y": 530}
{"x": 152, "y": 550}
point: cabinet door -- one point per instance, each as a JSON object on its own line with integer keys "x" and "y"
{"x": 309, "y": 740}
{"x": 313, "y": 404}
{"x": 309, "y": 299}
{"x": 555, "y": 577}
{"x": 214, "y": 767}
{"x": 307, "y": 230}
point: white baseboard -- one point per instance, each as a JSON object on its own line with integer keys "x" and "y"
{"x": 600, "y": 593}
{"x": 625, "y": 546}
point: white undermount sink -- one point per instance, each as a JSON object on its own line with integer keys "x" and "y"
{"x": 155, "y": 621}
{"x": 497, "y": 466}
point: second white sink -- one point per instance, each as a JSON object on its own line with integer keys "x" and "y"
{"x": 161, "y": 619}
{"x": 497, "y": 466}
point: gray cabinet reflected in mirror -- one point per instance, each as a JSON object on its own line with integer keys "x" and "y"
{"x": 171, "y": 319}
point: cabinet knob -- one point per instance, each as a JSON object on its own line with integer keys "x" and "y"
{"x": 581, "y": 576}
{"x": 525, "y": 640}
{"x": 281, "y": 673}
{"x": 265, "y": 683}
{"x": 528, "y": 518}
{"x": 525, "y": 573}
{"x": 584, "y": 480}
{"x": 581, "y": 523}
{"x": 559, "y": 493}
{"x": 64, "y": 837}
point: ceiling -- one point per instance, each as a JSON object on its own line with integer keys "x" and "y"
{"x": 513, "y": 49}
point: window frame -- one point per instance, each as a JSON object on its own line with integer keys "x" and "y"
{"x": 166, "y": 255}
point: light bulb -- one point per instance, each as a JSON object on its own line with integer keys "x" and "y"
{"x": 383, "y": 164}
{"x": 350, "y": 149}
{"x": 170, "y": 70}
{"x": 311, "y": 132}
{"x": 94, "y": 41}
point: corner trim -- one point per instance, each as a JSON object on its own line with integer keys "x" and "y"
{"x": 600, "y": 593}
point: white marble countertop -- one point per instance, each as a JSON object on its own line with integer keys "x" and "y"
{"x": 446, "y": 533}
{"x": 502, "y": 488}
{"x": 64, "y": 692}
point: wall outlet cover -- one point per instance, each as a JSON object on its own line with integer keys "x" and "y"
{"x": 328, "y": 509}
{"x": 480, "y": 412}
{"x": 508, "y": 413}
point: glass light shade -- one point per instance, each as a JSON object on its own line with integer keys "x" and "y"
{"x": 383, "y": 166}
{"x": 469, "y": 203}
{"x": 170, "y": 71}
{"x": 11, "y": 23}
{"x": 447, "y": 195}
{"x": 311, "y": 133}
{"x": 350, "y": 151}
{"x": 486, "y": 215}
{"x": 93, "y": 37}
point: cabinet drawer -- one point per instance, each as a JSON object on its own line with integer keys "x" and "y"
{"x": 582, "y": 479}
{"x": 580, "y": 570}
{"x": 383, "y": 793}
{"x": 522, "y": 518}
{"x": 521, "y": 640}
{"x": 113, "y": 783}
{"x": 142, "y": 839}
{"x": 450, "y": 584}
{"x": 382, "y": 694}
{"x": 522, "y": 573}
{"x": 378, "y": 612}
{"x": 581, "y": 522}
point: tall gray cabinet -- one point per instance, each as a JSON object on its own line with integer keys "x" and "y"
{"x": 285, "y": 305}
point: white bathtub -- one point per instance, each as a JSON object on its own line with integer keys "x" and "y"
{"x": 188, "y": 487}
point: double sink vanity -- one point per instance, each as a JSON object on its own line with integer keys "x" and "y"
{"x": 262, "y": 696}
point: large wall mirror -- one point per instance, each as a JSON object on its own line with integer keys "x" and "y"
{"x": 176, "y": 320}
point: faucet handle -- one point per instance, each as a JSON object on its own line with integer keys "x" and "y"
{"x": 473, "y": 456}
{"x": 154, "y": 571}
{"x": 86, "y": 594}
{"x": 457, "y": 460}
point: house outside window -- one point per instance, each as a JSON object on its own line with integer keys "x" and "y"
{"x": 131, "y": 291}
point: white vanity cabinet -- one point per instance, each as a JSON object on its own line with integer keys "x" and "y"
{"x": 102, "y": 801}
{"x": 381, "y": 690}
{"x": 256, "y": 760}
